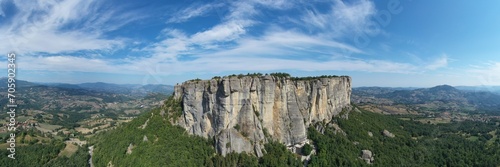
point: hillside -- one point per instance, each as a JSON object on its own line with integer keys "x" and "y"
{"x": 151, "y": 140}
{"x": 67, "y": 104}
{"x": 443, "y": 98}
{"x": 336, "y": 132}
{"x": 353, "y": 137}
{"x": 54, "y": 121}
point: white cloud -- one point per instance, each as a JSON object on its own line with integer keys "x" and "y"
{"x": 2, "y": 13}
{"x": 341, "y": 19}
{"x": 486, "y": 74}
{"x": 67, "y": 63}
{"x": 45, "y": 27}
{"x": 227, "y": 31}
{"x": 285, "y": 43}
{"x": 275, "y": 48}
{"x": 221, "y": 64}
{"x": 438, "y": 63}
{"x": 277, "y": 4}
{"x": 192, "y": 11}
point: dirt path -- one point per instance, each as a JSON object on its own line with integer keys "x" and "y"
{"x": 91, "y": 150}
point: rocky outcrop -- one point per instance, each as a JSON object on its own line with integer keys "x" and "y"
{"x": 367, "y": 156}
{"x": 239, "y": 112}
{"x": 129, "y": 148}
{"x": 388, "y": 134}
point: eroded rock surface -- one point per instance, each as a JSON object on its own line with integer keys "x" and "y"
{"x": 238, "y": 111}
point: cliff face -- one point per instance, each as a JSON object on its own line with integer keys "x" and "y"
{"x": 239, "y": 112}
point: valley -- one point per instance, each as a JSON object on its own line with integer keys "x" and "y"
{"x": 439, "y": 104}
{"x": 439, "y": 126}
{"x": 71, "y": 114}
{"x": 250, "y": 83}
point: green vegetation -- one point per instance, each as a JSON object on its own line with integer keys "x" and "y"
{"x": 32, "y": 155}
{"x": 167, "y": 145}
{"x": 44, "y": 154}
{"x": 237, "y": 127}
{"x": 159, "y": 143}
{"x": 195, "y": 80}
{"x": 170, "y": 145}
{"x": 280, "y": 75}
{"x": 306, "y": 150}
{"x": 415, "y": 144}
{"x": 313, "y": 78}
{"x": 172, "y": 107}
{"x": 277, "y": 155}
{"x": 79, "y": 159}
{"x": 155, "y": 96}
{"x": 68, "y": 119}
{"x": 233, "y": 159}
{"x": 276, "y": 74}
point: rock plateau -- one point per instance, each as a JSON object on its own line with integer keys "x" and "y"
{"x": 242, "y": 113}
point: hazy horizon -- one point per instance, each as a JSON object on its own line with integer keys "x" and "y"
{"x": 76, "y": 83}
{"x": 389, "y": 43}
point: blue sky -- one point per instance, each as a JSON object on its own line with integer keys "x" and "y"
{"x": 378, "y": 43}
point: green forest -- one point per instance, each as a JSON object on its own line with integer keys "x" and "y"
{"x": 414, "y": 144}
{"x": 151, "y": 140}
{"x": 46, "y": 155}
{"x": 162, "y": 144}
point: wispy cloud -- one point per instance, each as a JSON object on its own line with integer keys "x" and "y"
{"x": 277, "y": 48}
{"x": 232, "y": 44}
{"x": 67, "y": 63}
{"x": 227, "y": 31}
{"x": 276, "y": 44}
{"x": 341, "y": 19}
{"x": 2, "y": 13}
{"x": 61, "y": 26}
{"x": 438, "y": 63}
{"x": 486, "y": 74}
{"x": 192, "y": 11}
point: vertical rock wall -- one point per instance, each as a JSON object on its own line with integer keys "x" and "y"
{"x": 237, "y": 110}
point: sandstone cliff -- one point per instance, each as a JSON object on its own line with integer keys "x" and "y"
{"x": 239, "y": 112}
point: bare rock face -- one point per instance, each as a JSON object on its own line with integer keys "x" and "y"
{"x": 236, "y": 111}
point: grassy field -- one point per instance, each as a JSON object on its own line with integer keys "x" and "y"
{"x": 3, "y": 134}
{"x": 434, "y": 120}
{"x": 4, "y": 146}
{"x": 405, "y": 119}
{"x": 84, "y": 130}
{"x": 69, "y": 150}
{"x": 22, "y": 118}
{"x": 473, "y": 138}
{"x": 48, "y": 127}
{"x": 492, "y": 140}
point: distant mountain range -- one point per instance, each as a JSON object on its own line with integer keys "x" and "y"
{"x": 126, "y": 89}
{"x": 101, "y": 87}
{"x": 439, "y": 98}
{"x": 90, "y": 97}
{"x": 494, "y": 89}
{"x": 483, "y": 88}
